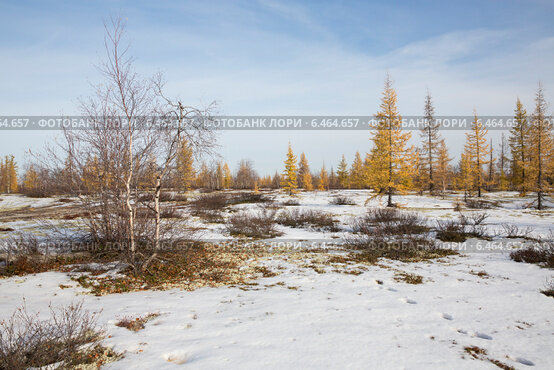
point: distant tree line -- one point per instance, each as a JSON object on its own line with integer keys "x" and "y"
{"x": 524, "y": 161}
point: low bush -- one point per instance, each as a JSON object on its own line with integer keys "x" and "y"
{"x": 464, "y": 227}
{"x": 342, "y": 200}
{"x": 549, "y": 288}
{"x": 478, "y": 204}
{"x": 451, "y": 230}
{"x": 210, "y": 216}
{"x": 258, "y": 224}
{"x": 541, "y": 253}
{"x": 291, "y": 202}
{"x": 298, "y": 217}
{"x": 388, "y": 222}
{"x": 409, "y": 249}
{"x": 211, "y": 201}
{"x": 514, "y": 232}
{"x": 170, "y": 212}
{"x": 26, "y": 341}
{"x": 249, "y": 197}
{"x": 390, "y": 233}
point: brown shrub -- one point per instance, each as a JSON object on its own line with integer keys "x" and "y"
{"x": 479, "y": 204}
{"x": 298, "y": 217}
{"x": 258, "y": 224}
{"x": 342, "y": 200}
{"x": 549, "y": 288}
{"x": 514, "y": 232}
{"x": 464, "y": 227}
{"x": 408, "y": 249}
{"x": 541, "y": 253}
{"x": 249, "y": 197}
{"x": 170, "y": 212}
{"x": 388, "y": 222}
{"x": 291, "y": 202}
{"x": 211, "y": 202}
{"x": 26, "y": 341}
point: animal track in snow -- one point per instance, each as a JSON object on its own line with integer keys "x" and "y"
{"x": 521, "y": 360}
{"x": 408, "y": 300}
{"x": 178, "y": 357}
{"x": 481, "y": 335}
{"x": 447, "y": 316}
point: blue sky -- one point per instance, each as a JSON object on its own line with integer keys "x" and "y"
{"x": 283, "y": 58}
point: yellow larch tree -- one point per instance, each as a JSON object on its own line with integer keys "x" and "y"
{"x": 443, "y": 167}
{"x": 31, "y": 181}
{"x": 227, "y": 176}
{"x": 342, "y": 173}
{"x": 323, "y": 179}
{"x": 519, "y": 147}
{"x": 304, "y": 176}
{"x": 391, "y": 159}
{"x": 219, "y": 176}
{"x": 541, "y": 142}
{"x": 431, "y": 139}
{"x": 465, "y": 175}
{"x": 307, "y": 181}
{"x": 477, "y": 150}
{"x": 8, "y": 175}
{"x": 357, "y": 178}
{"x": 289, "y": 181}
{"x": 92, "y": 176}
{"x": 185, "y": 169}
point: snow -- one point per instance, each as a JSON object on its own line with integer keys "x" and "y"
{"x": 305, "y": 319}
{"x": 15, "y": 201}
{"x": 329, "y": 320}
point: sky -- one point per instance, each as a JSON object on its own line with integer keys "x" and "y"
{"x": 272, "y": 57}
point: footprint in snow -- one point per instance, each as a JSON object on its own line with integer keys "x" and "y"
{"x": 177, "y": 357}
{"x": 408, "y": 300}
{"x": 447, "y": 316}
{"x": 522, "y": 360}
{"x": 482, "y": 335}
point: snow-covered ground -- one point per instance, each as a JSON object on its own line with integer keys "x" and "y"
{"x": 305, "y": 319}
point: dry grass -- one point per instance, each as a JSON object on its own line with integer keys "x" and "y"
{"x": 370, "y": 250}
{"x": 408, "y": 278}
{"x": 479, "y": 353}
{"x": 190, "y": 267}
{"x": 482, "y": 274}
{"x": 137, "y": 323}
